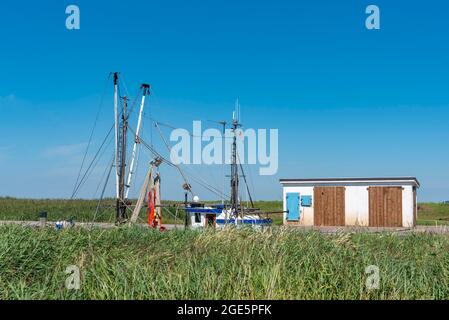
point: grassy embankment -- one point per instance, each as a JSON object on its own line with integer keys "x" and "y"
{"x": 138, "y": 263}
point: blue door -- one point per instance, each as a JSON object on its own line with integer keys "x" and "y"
{"x": 293, "y": 206}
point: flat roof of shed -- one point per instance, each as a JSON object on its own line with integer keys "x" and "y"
{"x": 388, "y": 180}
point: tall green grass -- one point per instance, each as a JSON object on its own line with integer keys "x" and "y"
{"x": 136, "y": 263}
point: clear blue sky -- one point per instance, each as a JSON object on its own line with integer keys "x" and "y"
{"x": 347, "y": 101}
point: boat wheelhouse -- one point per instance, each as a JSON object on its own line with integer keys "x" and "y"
{"x": 200, "y": 216}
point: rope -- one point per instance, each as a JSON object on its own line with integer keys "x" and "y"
{"x": 100, "y": 183}
{"x": 190, "y": 134}
{"x": 90, "y": 165}
{"x": 92, "y": 132}
{"x": 104, "y": 189}
{"x": 169, "y": 163}
{"x": 205, "y": 184}
{"x": 244, "y": 179}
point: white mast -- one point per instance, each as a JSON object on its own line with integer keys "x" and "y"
{"x": 146, "y": 90}
{"x": 116, "y": 132}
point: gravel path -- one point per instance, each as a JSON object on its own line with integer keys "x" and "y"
{"x": 103, "y": 225}
{"x": 106, "y": 225}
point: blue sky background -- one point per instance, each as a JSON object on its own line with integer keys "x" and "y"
{"x": 347, "y": 101}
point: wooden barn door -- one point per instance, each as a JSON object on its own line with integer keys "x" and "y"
{"x": 385, "y": 206}
{"x": 329, "y": 206}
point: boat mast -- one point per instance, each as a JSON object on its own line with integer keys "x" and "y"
{"x": 116, "y": 124}
{"x": 234, "y": 167}
{"x": 121, "y": 204}
{"x": 146, "y": 91}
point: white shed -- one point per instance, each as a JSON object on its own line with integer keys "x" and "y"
{"x": 373, "y": 202}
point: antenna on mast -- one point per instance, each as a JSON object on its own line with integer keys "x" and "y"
{"x": 237, "y": 109}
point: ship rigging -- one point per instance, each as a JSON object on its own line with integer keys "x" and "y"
{"x": 197, "y": 215}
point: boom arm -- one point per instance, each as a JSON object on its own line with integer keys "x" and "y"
{"x": 146, "y": 90}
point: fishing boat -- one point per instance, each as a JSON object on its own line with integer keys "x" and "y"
{"x": 231, "y": 212}
{"x": 216, "y": 216}
{"x": 235, "y": 213}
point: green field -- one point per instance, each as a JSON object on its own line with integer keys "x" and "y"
{"x": 138, "y": 263}
{"x": 83, "y": 210}
{"x": 433, "y": 214}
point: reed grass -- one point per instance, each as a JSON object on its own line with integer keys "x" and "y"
{"x": 137, "y": 263}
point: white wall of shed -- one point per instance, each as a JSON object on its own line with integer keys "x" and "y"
{"x": 356, "y": 206}
{"x": 407, "y": 206}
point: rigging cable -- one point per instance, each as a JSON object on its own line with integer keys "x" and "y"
{"x": 95, "y": 165}
{"x": 244, "y": 179}
{"x": 190, "y": 134}
{"x": 169, "y": 163}
{"x": 92, "y": 132}
{"x": 104, "y": 188}
{"x": 90, "y": 165}
{"x": 100, "y": 183}
{"x": 179, "y": 169}
{"x": 218, "y": 192}
{"x": 205, "y": 183}
{"x": 169, "y": 150}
